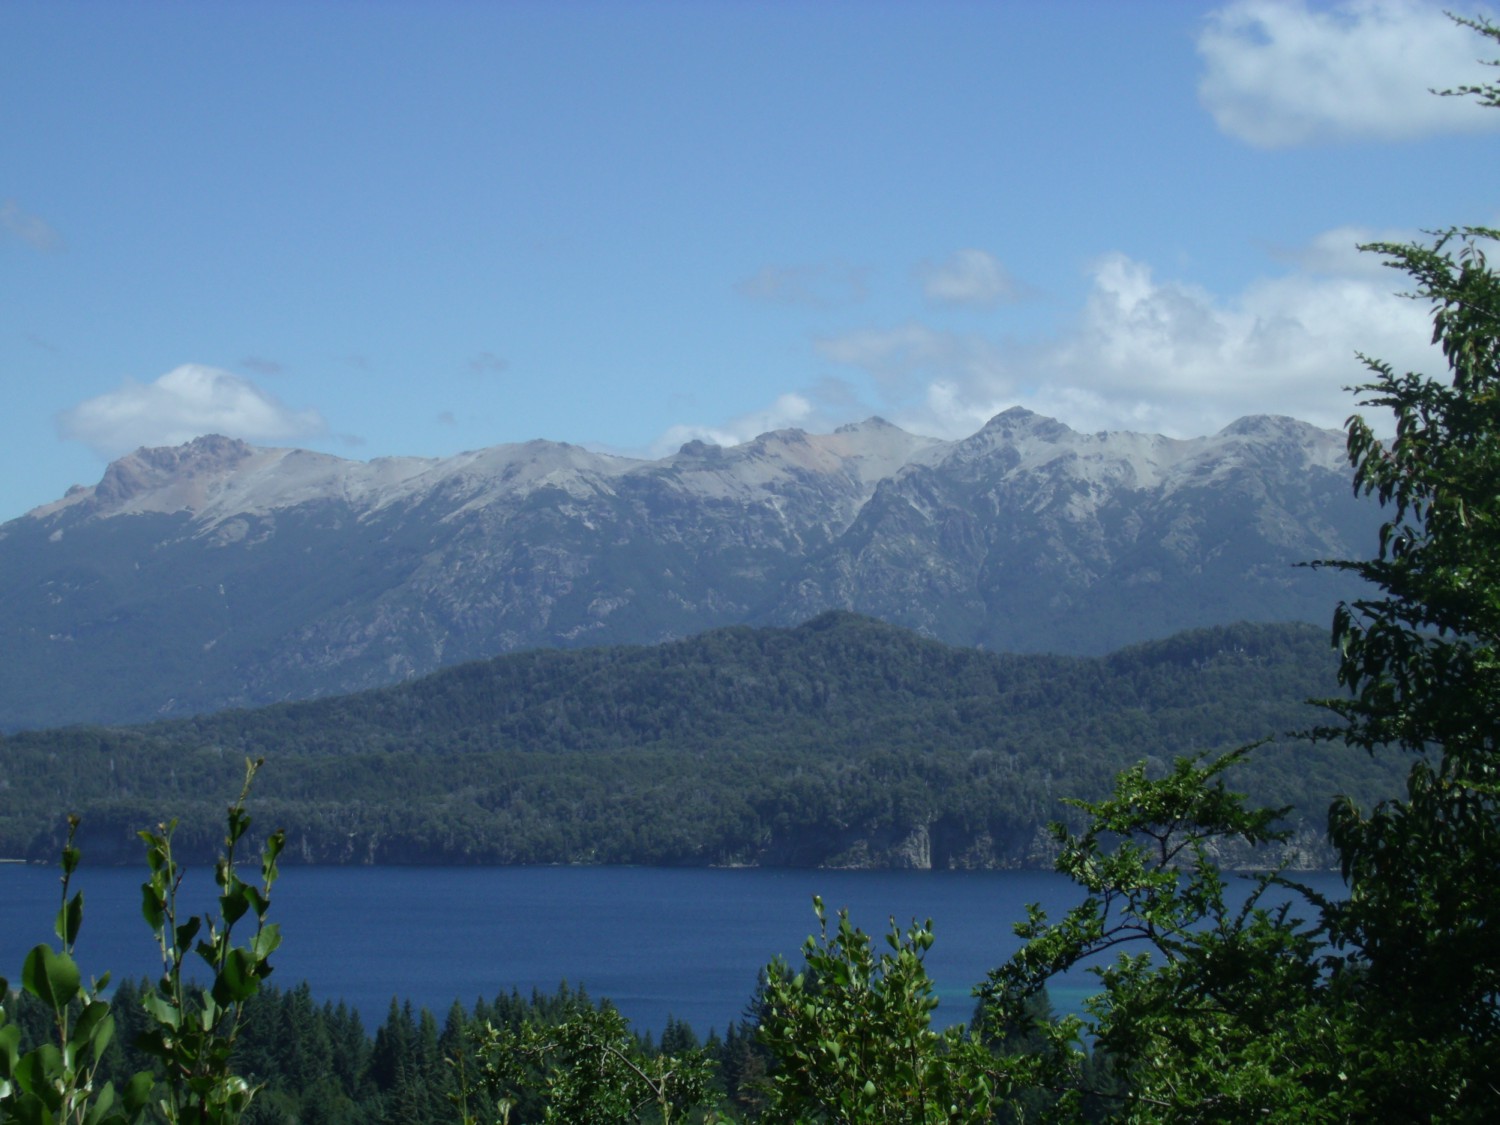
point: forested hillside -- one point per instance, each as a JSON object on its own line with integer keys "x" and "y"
{"x": 843, "y": 742}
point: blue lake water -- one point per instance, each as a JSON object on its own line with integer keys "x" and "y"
{"x": 657, "y": 942}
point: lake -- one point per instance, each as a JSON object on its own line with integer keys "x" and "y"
{"x": 686, "y": 942}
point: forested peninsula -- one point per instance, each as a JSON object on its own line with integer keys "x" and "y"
{"x": 843, "y": 742}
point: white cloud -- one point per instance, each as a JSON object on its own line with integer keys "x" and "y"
{"x": 31, "y": 229}
{"x": 185, "y": 403}
{"x": 968, "y": 277}
{"x": 903, "y": 359}
{"x": 789, "y": 410}
{"x": 1162, "y": 355}
{"x": 1337, "y": 252}
{"x": 1186, "y": 362}
{"x": 1278, "y": 73}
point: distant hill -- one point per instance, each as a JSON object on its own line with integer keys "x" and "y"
{"x": 844, "y": 741}
{"x": 217, "y": 574}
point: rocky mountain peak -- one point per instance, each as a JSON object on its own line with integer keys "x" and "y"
{"x": 1011, "y": 437}
{"x": 1019, "y": 420}
{"x": 149, "y": 469}
{"x": 698, "y": 449}
{"x": 1287, "y": 439}
{"x": 1265, "y": 425}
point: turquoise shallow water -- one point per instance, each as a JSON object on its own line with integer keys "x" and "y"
{"x": 657, "y": 941}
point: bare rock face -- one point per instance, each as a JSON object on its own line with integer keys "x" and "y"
{"x": 180, "y": 471}
{"x": 220, "y": 574}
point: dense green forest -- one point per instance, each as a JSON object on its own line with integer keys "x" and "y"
{"x": 318, "y": 1063}
{"x": 842, "y": 742}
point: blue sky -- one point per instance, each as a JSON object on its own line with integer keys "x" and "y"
{"x": 402, "y": 228}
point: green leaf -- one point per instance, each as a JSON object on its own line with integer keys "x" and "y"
{"x": 38, "y": 1072}
{"x": 162, "y": 1010}
{"x": 185, "y": 933}
{"x": 275, "y": 844}
{"x": 28, "y": 1109}
{"x": 95, "y": 1018}
{"x": 239, "y": 821}
{"x": 10, "y": 1049}
{"x": 237, "y": 980}
{"x": 69, "y": 919}
{"x": 153, "y": 907}
{"x": 233, "y": 902}
{"x": 51, "y": 977}
{"x": 70, "y": 854}
{"x": 138, "y": 1091}
{"x": 267, "y": 941}
{"x": 258, "y": 902}
{"x": 99, "y": 1110}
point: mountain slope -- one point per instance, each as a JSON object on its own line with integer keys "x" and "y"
{"x": 217, "y": 574}
{"x": 1028, "y": 536}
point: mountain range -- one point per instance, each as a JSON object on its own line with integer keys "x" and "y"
{"x": 218, "y": 574}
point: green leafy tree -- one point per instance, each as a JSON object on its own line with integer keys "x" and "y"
{"x": 1421, "y": 663}
{"x": 56, "y": 1080}
{"x": 1214, "y": 1013}
{"x": 851, "y": 1036}
{"x": 190, "y": 1030}
{"x": 1388, "y": 1008}
{"x": 195, "y": 1028}
{"x": 586, "y": 1067}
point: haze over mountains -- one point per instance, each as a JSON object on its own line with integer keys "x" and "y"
{"x": 218, "y": 574}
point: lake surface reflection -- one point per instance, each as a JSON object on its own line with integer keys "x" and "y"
{"x": 656, "y": 941}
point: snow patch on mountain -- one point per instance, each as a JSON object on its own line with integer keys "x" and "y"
{"x": 215, "y": 479}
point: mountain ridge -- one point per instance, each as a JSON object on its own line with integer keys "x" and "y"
{"x": 247, "y": 575}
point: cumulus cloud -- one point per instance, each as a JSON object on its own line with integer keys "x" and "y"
{"x": 1279, "y": 73}
{"x": 789, "y": 410}
{"x": 31, "y": 229}
{"x": 1163, "y": 355}
{"x": 1172, "y": 355}
{"x": 185, "y": 403}
{"x": 968, "y": 277}
{"x": 812, "y": 286}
